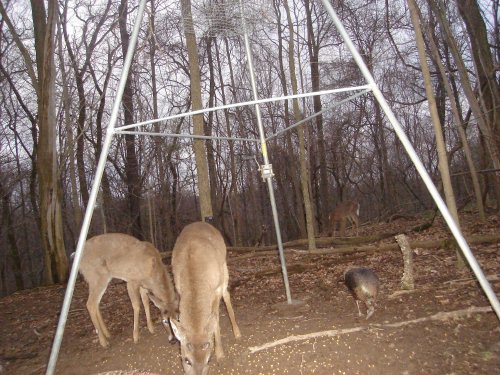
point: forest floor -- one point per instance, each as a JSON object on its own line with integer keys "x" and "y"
{"x": 406, "y": 335}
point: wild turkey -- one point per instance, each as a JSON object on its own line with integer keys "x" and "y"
{"x": 364, "y": 285}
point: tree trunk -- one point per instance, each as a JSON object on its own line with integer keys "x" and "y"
{"x": 441, "y": 147}
{"x": 297, "y": 196}
{"x": 164, "y": 232}
{"x": 11, "y": 237}
{"x": 198, "y": 144}
{"x": 56, "y": 263}
{"x": 233, "y": 198}
{"x": 208, "y": 131}
{"x": 132, "y": 176}
{"x": 484, "y": 126}
{"x": 313, "y": 48}
{"x": 107, "y": 197}
{"x": 486, "y": 70}
{"x": 70, "y": 144}
{"x": 456, "y": 115}
{"x": 304, "y": 172}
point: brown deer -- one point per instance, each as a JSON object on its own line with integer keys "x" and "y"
{"x": 120, "y": 256}
{"x": 201, "y": 279}
{"x": 348, "y": 210}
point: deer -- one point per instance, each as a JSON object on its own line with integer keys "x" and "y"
{"x": 201, "y": 278}
{"x": 345, "y": 210}
{"x": 120, "y": 256}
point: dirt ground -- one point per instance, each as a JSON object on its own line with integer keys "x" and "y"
{"x": 449, "y": 344}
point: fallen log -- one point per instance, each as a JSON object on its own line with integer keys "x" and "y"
{"x": 427, "y": 244}
{"x": 321, "y": 242}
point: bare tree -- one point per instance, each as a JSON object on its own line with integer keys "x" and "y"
{"x": 304, "y": 173}
{"x": 314, "y": 38}
{"x": 489, "y": 87}
{"x": 131, "y": 163}
{"x": 486, "y": 128}
{"x": 441, "y": 147}
{"x": 199, "y": 145}
{"x": 56, "y": 263}
{"x": 457, "y": 118}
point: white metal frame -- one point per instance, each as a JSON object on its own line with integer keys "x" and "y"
{"x": 371, "y": 86}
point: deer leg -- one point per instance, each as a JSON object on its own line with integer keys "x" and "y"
{"x": 97, "y": 287}
{"x": 104, "y": 328}
{"x": 227, "y": 300}
{"x": 133, "y": 293}
{"x": 342, "y": 227}
{"x": 370, "y": 308}
{"x": 219, "y": 351}
{"x": 355, "y": 224}
{"x": 145, "y": 303}
{"x": 359, "y": 310}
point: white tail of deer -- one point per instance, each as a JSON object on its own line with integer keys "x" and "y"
{"x": 201, "y": 279}
{"x": 348, "y": 210}
{"x": 120, "y": 256}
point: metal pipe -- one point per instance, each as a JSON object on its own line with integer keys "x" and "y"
{"x": 247, "y": 103}
{"x": 317, "y": 114}
{"x": 266, "y": 161}
{"x": 93, "y": 195}
{"x": 174, "y": 135}
{"x": 490, "y": 294}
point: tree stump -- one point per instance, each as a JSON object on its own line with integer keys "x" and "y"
{"x": 407, "y": 282}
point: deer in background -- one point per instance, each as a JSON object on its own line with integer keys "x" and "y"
{"x": 120, "y": 256}
{"x": 348, "y": 210}
{"x": 201, "y": 279}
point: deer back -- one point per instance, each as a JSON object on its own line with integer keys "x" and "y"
{"x": 199, "y": 268}
{"x": 344, "y": 209}
{"x": 120, "y": 256}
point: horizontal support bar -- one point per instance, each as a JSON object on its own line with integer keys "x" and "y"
{"x": 251, "y": 102}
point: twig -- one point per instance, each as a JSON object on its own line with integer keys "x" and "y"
{"x": 331, "y": 333}
{"x": 439, "y": 316}
{"x": 337, "y": 332}
{"x": 445, "y": 285}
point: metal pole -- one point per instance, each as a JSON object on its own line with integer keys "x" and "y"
{"x": 336, "y": 104}
{"x": 242, "y": 104}
{"x": 490, "y": 294}
{"x": 266, "y": 169}
{"x": 93, "y": 195}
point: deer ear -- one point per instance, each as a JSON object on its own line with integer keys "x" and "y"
{"x": 178, "y": 330}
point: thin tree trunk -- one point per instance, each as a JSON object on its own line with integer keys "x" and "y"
{"x": 483, "y": 60}
{"x": 208, "y": 131}
{"x": 441, "y": 147}
{"x": 489, "y": 91}
{"x": 313, "y": 48}
{"x": 107, "y": 197}
{"x": 463, "y": 137}
{"x": 484, "y": 126}
{"x": 304, "y": 172}
{"x": 7, "y": 225}
{"x": 70, "y": 144}
{"x": 132, "y": 176}
{"x": 232, "y": 200}
{"x": 56, "y": 263}
{"x": 198, "y": 145}
{"x": 298, "y": 197}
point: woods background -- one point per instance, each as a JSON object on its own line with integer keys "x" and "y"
{"x": 60, "y": 63}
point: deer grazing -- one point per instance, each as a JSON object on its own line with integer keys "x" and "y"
{"x": 201, "y": 279}
{"x": 120, "y": 256}
{"x": 348, "y": 210}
